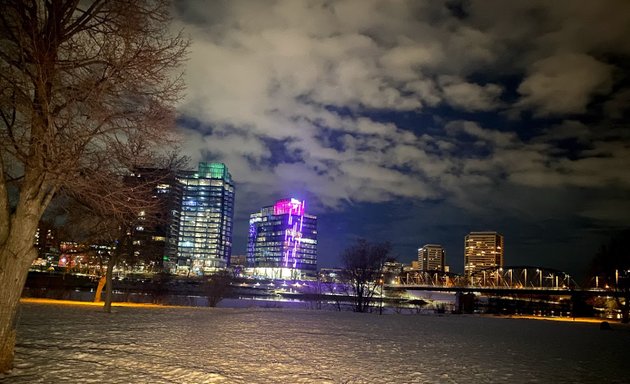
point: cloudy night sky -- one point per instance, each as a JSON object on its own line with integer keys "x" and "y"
{"x": 416, "y": 122}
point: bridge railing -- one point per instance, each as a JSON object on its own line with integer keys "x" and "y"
{"x": 504, "y": 277}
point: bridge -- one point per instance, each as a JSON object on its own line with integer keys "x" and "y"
{"x": 502, "y": 280}
{"x": 516, "y": 277}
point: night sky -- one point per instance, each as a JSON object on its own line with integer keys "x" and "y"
{"x": 416, "y": 122}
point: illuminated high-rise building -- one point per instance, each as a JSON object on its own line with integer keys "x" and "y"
{"x": 431, "y": 257}
{"x": 204, "y": 241}
{"x": 283, "y": 241}
{"x": 482, "y": 250}
{"x": 152, "y": 237}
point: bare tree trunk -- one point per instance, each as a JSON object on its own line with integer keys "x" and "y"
{"x": 358, "y": 291}
{"x": 108, "y": 284}
{"x": 99, "y": 289}
{"x": 335, "y": 295}
{"x": 76, "y": 112}
{"x": 13, "y": 272}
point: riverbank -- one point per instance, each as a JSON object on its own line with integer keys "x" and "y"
{"x": 588, "y": 320}
{"x": 31, "y": 300}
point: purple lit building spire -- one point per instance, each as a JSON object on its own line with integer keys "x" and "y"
{"x": 294, "y": 209}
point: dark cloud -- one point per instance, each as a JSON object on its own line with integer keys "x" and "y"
{"x": 488, "y": 114}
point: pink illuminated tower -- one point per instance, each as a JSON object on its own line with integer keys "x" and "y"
{"x": 283, "y": 240}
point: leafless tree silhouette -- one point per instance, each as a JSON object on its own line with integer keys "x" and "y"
{"x": 362, "y": 270}
{"x": 87, "y": 90}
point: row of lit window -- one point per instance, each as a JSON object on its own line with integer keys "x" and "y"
{"x": 208, "y": 236}
{"x": 187, "y": 220}
{"x": 200, "y": 225}
{"x": 277, "y": 253}
{"x": 203, "y": 222}
{"x": 192, "y": 183}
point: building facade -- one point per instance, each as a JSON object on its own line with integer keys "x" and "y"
{"x": 152, "y": 235}
{"x": 482, "y": 250}
{"x": 204, "y": 222}
{"x": 431, "y": 257}
{"x": 283, "y": 241}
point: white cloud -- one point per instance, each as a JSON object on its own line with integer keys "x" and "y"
{"x": 473, "y": 129}
{"x": 314, "y": 77}
{"x": 564, "y": 84}
{"x": 469, "y": 96}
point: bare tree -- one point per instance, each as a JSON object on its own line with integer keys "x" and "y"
{"x": 217, "y": 286}
{"x": 362, "y": 269}
{"x": 87, "y": 90}
{"x": 91, "y": 222}
{"x": 82, "y": 226}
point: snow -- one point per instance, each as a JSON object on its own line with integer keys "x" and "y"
{"x": 72, "y": 344}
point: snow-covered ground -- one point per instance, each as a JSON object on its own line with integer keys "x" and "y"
{"x": 81, "y": 344}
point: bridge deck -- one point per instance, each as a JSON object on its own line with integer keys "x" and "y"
{"x": 503, "y": 290}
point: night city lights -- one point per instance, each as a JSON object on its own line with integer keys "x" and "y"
{"x": 314, "y": 191}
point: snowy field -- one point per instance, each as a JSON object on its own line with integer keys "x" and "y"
{"x": 81, "y": 344}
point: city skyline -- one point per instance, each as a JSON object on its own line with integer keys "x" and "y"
{"x": 418, "y": 122}
{"x": 267, "y": 191}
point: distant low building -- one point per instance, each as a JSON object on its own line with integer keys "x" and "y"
{"x": 238, "y": 260}
{"x": 330, "y": 274}
{"x": 394, "y": 267}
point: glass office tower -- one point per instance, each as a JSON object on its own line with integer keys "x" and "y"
{"x": 204, "y": 242}
{"x": 283, "y": 241}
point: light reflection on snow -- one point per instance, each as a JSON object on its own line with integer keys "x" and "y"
{"x": 222, "y": 345}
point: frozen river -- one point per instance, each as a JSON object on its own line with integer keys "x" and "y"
{"x": 81, "y": 344}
